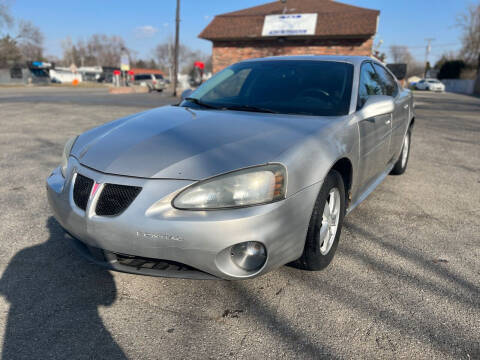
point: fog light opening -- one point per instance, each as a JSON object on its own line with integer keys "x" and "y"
{"x": 249, "y": 255}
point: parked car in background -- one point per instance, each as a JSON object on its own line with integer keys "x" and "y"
{"x": 431, "y": 85}
{"x": 255, "y": 169}
{"x": 152, "y": 81}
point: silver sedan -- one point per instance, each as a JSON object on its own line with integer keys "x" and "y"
{"x": 255, "y": 169}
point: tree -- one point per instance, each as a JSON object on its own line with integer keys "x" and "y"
{"x": 380, "y": 55}
{"x": 6, "y": 19}
{"x": 469, "y": 22}
{"x": 30, "y": 41}
{"x": 164, "y": 53}
{"x": 9, "y": 52}
{"x": 152, "y": 64}
{"x": 106, "y": 50}
{"x": 451, "y": 69}
{"x": 98, "y": 50}
{"x": 448, "y": 56}
{"x": 25, "y": 45}
{"x": 400, "y": 54}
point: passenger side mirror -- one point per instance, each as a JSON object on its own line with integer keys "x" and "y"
{"x": 186, "y": 93}
{"x": 377, "y": 105}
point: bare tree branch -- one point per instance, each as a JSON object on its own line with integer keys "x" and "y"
{"x": 30, "y": 41}
{"x": 469, "y": 22}
{"x": 186, "y": 57}
{"x": 401, "y": 55}
{"x": 6, "y": 19}
{"x": 98, "y": 50}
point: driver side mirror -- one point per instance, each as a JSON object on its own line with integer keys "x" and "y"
{"x": 377, "y": 105}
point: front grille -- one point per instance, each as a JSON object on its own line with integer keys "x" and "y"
{"x": 115, "y": 199}
{"x": 81, "y": 191}
{"x": 146, "y": 263}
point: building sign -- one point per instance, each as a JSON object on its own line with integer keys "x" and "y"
{"x": 124, "y": 62}
{"x": 289, "y": 25}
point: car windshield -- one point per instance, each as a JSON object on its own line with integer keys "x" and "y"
{"x": 306, "y": 87}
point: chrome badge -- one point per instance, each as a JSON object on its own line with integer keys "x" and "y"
{"x": 141, "y": 234}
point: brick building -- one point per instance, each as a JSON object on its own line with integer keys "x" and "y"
{"x": 340, "y": 29}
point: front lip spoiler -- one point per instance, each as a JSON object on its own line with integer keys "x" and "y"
{"x": 108, "y": 260}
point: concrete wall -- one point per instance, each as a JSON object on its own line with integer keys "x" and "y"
{"x": 5, "y": 77}
{"x": 226, "y": 53}
{"x": 459, "y": 86}
{"x": 27, "y": 78}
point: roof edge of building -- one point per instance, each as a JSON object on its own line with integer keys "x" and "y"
{"x": 290, "y": 38}
{"x": 279, "y": 13}
{"x": 261, "y": 7}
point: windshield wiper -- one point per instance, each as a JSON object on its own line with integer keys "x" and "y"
{"x": 249, "y": 108}
{"x": 201, "y": 103}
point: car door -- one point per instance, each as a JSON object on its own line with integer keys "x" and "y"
{"x": 400, "y": 114}
{"x": 375, "y": 132}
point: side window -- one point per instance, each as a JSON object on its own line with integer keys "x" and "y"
{"x": 370, "y": 84}
{"x": 390, "y": 85}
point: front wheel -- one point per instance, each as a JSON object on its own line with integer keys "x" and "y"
{"x": 325, "y": 224}
{"x": 401, "y": 164}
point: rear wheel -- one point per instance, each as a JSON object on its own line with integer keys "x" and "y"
{"x": 401, "y": 164}
{"x": 325, "y": 224}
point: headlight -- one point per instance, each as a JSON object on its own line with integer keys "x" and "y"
{"x": 66, "y": 154}
{"x": 252, "y": 186}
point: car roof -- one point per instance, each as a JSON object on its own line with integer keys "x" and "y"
{"x": 355, "y": 60}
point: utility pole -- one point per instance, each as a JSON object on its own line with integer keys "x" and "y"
{"x": 175, "y": 60}
{"x": 427, "y": 53}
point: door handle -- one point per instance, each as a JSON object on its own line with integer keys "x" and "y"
{"x": 388, "y": 120}
{"x": 405, "y": 106}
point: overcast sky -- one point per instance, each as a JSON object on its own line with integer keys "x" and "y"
{"x": 145, "y": 23}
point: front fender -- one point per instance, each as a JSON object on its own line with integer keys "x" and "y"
{"x": 310, "y": 161}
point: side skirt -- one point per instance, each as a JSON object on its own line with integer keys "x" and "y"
{"x": 370, "y": 188}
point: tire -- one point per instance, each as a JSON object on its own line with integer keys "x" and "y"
{"x": 401, "y": 165}
{"x": 316, "y": 253}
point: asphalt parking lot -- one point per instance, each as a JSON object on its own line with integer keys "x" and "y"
{"x": 405, "y": 282}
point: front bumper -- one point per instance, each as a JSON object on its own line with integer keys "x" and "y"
{"x": 151, "y": 228}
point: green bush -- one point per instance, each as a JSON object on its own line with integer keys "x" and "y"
{"x": 451, "y": 69}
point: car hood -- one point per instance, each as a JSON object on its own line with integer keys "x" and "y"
{"x": 182, "y": 143}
